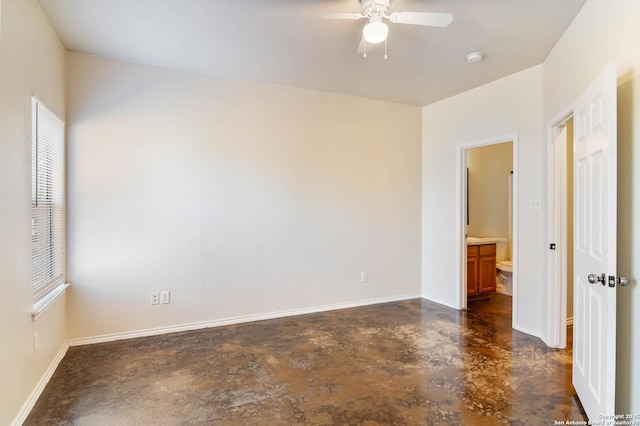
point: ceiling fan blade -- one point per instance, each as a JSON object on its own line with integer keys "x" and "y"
{"x": 422, "y": 18}
{"x": 361, "y": 47}
{"x": 322, "y": 15}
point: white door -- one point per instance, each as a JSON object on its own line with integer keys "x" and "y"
{"x": 595, "y": 188}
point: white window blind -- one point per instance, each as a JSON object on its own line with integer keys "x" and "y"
{"x": 47, "y": 200}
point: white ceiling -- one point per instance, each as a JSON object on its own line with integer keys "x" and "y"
{"x": 266, "y": 40}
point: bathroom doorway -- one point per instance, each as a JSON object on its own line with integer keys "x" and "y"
{"x": 488, "y": 213}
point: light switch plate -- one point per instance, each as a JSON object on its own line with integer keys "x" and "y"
{"x": 535, "y": 204}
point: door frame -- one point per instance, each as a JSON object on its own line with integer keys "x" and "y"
{"x": 461, "y": 212}
{"x": 556, "y": 217}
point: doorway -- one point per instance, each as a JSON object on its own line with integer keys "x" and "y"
{"x": 508, "y": 241}
{"x": 595, "y": 279}
{"x": 560, "y": 219}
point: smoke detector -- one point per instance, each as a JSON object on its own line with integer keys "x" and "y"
{"x": 474, "y": 57}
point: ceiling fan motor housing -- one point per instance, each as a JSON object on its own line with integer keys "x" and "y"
{"x": 375, "y": 8}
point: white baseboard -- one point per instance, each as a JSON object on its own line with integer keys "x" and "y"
{"x": 234, "y": 320}
{"x": 440, "y": 302}
{"x": 530, "y": 332}
{"x": 570, "y": 322}
{"x": 33, "y": 398}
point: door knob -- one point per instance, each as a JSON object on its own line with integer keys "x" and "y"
{"x": 595, "y": 278}
{"x": 621, "y": 281}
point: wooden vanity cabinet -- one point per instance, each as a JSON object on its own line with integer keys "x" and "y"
{"x": 472, "y": 270}
{"x": 481, "y": 269}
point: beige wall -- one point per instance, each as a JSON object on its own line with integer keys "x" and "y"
{"x": 241, "y": 198}
{"x": 31, "y": 61}
{"x": 489, "y": 170}
{"x": 603, "y": 32}
{"x": 510, "y": 105}
{"x": 628, "y": 318}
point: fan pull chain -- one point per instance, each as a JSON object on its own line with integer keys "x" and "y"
{"x": 365, "y": 48}
{"x": 385, "y": 48}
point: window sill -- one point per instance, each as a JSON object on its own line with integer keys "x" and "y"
{"x": 42, "y": 305}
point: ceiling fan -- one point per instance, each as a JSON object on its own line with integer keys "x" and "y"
{"x": 376, "y": 31}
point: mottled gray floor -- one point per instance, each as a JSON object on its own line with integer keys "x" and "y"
{"x": 404, "y": 363}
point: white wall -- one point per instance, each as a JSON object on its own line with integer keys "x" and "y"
{"x": 241, "y": 198}
{"x": 489, "y": 170}
{"x": 569, "y": 226}
{"x": 511, "y": 104}
{"x": 31, "y": 61}
{"x": 603, "y": 32}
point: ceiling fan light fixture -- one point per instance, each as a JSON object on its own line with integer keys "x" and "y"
{"x": 375, "y": 31}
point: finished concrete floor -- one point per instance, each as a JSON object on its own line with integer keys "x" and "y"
{"x": 403, "y": 363}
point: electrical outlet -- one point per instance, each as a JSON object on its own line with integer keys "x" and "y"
{"x": 364, "y": 277}
{"x": 36, "y": 342}
{"x": 155, "y": 298}
{"x": 165, "y": 297}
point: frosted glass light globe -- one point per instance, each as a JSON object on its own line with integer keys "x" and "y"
{"x": 375, "y": 32}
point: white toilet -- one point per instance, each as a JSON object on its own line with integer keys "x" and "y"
{"x": 504, "y": 269}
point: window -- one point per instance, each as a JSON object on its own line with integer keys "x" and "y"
{"x": 47, "y": 201}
